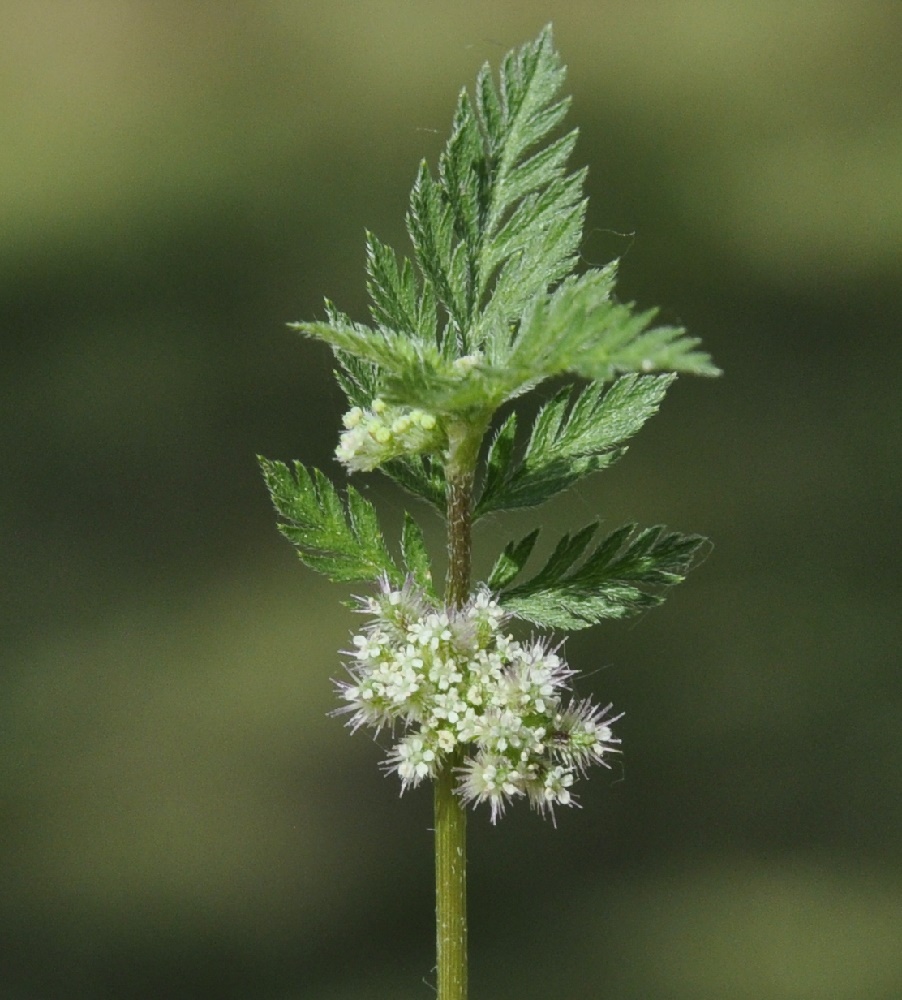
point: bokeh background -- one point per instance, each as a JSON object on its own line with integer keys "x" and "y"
{"x": 178, "y": 815}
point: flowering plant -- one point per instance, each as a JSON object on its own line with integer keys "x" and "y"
{"x": 489, "y": 308}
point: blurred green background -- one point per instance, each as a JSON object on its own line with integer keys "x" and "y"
{"x": 179, "y": 816}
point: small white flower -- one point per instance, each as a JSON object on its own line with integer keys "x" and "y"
{"x": 446, "y": 740}
{"x": 454, "y": 680}
{"x": 491, "y": 779}
{"x": 547, "y": 786}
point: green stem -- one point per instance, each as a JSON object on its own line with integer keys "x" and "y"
{"x": 460, "y": 525}
{"x": 450, "y": 815}
{"x": 450, "y": 889}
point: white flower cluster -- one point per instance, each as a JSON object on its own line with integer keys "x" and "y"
{"x": 458, "y": 684}
{"x": 374, "y": 436}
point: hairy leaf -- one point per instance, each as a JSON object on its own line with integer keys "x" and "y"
{"x": 582, "y": 330}
{"x": 489, "y": 306}
{"x": 511, "y": 561}
{"x": 421, "y": 477}
{"x": 396, "y": 300}
{"x": 388, "y": 350}
{"x": 628, "y": 571}
{"x": 416, "y": 558}
{"x": 534, "y": 211}
{"x": 357, "y": 379}
{"x": 499, "y": 463}
{"x": 573, "y": 436}
{"x": 340, "y": 539}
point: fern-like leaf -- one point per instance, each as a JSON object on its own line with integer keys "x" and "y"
{"x": 416, "y": 557}
{"x": 489, "y": 306}
{"x": 573, "y": 436}
{"x": 421, "y": 476}
{"x": 628, "y": 571}
{"x": 340, "y": 539}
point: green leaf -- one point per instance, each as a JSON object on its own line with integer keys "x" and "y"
{"x": 489, "y": 306}
{"x": 499, "y": 462}
{"x": 447, "y": 389}
{"x": 573, "y": 436}
{"x": 534, "y": 211}
{"x": 537, "y": 247}
{"x": 396, "y": 300}
{"x": 463, "y": 180}
{"x": 416, "y": 558}
{"x": 511, "y": 561}
{"x": 440, "y": 258}
{"x": 420, "y": 476}
{"x": 629, "y": 571}
{"x": 340, "y": 539}
{"x": 357, "y": 379}
{"x": 388, "y": 350}
{"x": 501, "y": 222}
{"x": 580, "y": 329}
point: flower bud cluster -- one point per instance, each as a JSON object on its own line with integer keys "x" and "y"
{"x": 459, "y": 686}
{"x": 382, "y": 432}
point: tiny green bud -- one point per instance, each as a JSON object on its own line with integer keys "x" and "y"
{"x": 353, "y": 417}
{"x": 375, "y": 436}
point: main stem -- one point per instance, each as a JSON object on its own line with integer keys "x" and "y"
{"x": 450, "y": 889}
{"x": 450, "y": 815}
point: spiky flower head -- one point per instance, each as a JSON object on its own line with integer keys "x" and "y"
{"x": 458, "y": 686}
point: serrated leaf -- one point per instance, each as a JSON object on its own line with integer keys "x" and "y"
{"x": 529, "y": 80}
{"x": 415, "y": 555}
{"x": 421, "y": 477}
{"x": 499, "y": 459}
{"x": 340, "y": 539}
{"x": 626, "y": 573}
{"x": 387, "y": 349}
{"x": 357, "y": 379}
{"x": 567, "y": 551}
{"x": 503, "y": 220}
{"x": 496, "y": 236}
{"x": 430, "y": 222}
{"x": 396, "y": 299}
{"x": 538, "y": 248}
{"x": 463, "y": 177}
{"x": 511, "y": 561}
{"x": 573, "y": 435}
{"x": 581, "y": 329}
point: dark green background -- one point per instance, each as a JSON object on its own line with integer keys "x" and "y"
{"x": 179, "y": 816}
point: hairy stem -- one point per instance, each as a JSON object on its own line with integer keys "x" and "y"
{"x": 460, "y": 527}
{"x": 450, "y": 889}
{"x": 450, "y": 815}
